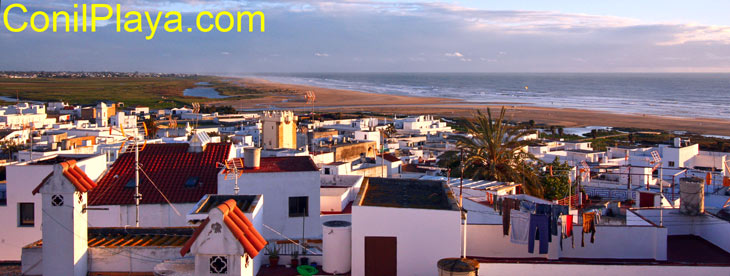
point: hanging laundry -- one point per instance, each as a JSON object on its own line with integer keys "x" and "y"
{"x": 589, "y": 226}
{"x": 557, "y": 212}
{"x": 527, "y": 206}
{"x": 520, "y": 227}
{"x": 538, "y": 226}
{"x": 508, "y": 204}
{"x": 567, "y": 225}
{"x": 547, "y": 210}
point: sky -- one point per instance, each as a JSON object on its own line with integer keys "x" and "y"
{"x": 394, "y": 36}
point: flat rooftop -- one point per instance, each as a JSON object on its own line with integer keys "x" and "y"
{"x": 407, "y": 193}
{"x": 131, "y": 236}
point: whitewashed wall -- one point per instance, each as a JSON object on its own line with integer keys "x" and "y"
{"x": 597, "y": 270}
{"x": 21, "y": 180}
{"x": 423, "y": 236}
{"x": 709, "y": 227}
{"x": 277, "y": 188}
{"x": 150, "y": 215}
{"x": 611, "y": 242}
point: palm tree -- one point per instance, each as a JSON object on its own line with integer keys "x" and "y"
{"x": 494, "y": 152}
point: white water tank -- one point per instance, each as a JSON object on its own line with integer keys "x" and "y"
{"x": 336, "y": 246}
{"x": 251, "y": 158}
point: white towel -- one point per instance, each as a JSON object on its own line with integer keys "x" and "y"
{"x": 520, "y": 226}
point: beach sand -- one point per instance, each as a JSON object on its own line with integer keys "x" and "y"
{"x": 337, "y": 100}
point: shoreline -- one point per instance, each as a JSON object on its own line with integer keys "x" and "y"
{"x": 339, "y": 100}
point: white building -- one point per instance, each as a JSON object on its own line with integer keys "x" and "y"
{"x": 291, "y": 189}
{"x": 421, "y": 125}
{"x": 403, "y": 227}
{"x": 23, "y": 209}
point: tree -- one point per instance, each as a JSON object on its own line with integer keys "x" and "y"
{"x": 561, "y": 131}
{"x": 494, "y": 152}
{"x": 389, "y": 131}
{"x": 152, "y": 128}
{"x": 556, "y": 185}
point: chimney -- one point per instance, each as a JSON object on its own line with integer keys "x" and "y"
{"x": 64, "y": 227}
{"x": 677, "y": 142}
{"x": 692, "y": 196}
{"x": 252, "y": 158}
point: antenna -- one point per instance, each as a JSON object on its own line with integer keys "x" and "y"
{"x": 134, "y": 148}
{"x": 235, "y": 174}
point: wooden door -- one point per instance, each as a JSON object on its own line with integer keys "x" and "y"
{"x": 380, "y": 256}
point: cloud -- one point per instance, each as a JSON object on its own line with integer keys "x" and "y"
{"x": 426, "y": 39}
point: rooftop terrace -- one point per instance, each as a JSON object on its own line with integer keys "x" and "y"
{"x": 406, "y": 193}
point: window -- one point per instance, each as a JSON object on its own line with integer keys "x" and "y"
{"x": 671, "y": 163}
{"x": 218, "y": 265}
{"x": 298, "y": 206}
{"x": 326, "y": 170}
{"x": 57, "y": 200}
{"x": 130, "y": 183}
{"x": 26, "y": 214}
{"x": 192, "y": 181}
{"x": 3, "y": 196}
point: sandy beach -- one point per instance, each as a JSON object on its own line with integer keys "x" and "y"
{"x": 337, "y": 100}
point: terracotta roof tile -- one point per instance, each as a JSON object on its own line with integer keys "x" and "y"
{"x": 74, "y": 174}
{"x": 170, "y": 166}
{"x": 240, "y": 227}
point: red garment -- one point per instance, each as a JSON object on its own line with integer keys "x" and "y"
{"x": 568, "y": 225}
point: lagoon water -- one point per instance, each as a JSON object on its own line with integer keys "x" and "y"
{"x": 203, "y": 92}
{"x": 680, "y": 95}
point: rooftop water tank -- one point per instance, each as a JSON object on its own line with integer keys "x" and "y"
{"x": 336, "y": 246}
{"x": 458, "y": 267}
{"x": 251, "y": 158}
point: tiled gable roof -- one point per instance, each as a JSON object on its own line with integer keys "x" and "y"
{"x": 74, "y": 174}
{"x": 240, "y": 227}
{"x": 170, "y": 166}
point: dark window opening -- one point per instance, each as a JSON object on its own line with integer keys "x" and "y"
{"x": 671, "y": 163}
{"x": 192, "y": 181}
{"x": 26, "y": 214}
{"x": 3, "y": 196}
{"x": 130, "y": 183}
{"x": 218, "y": 265}
{"x": 298, "y": 206}
{"x": 57, "y": 200}
{"x": 326, "y": 170}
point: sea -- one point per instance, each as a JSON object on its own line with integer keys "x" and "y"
{"x": 667, "y": 94}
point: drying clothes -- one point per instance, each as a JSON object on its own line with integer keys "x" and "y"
{"x": 557, "y": 211}
{"x": 527, "y": 206}
{"x": 520, "y": 227}
{"x": 495, "y": 197}
{"x": 567, "y": 225}
{"x": 539, "y": 228}
{"x": 508, "y": 204}
{"x": 547, "y": 210}
{"x": 589, "y": 226}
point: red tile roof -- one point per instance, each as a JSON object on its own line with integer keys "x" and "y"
{"x": 278, "y": 164}
{"x": 169, "y": 166}
{"x": 240, "y": 227}
{"x": 74, "y": 174}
